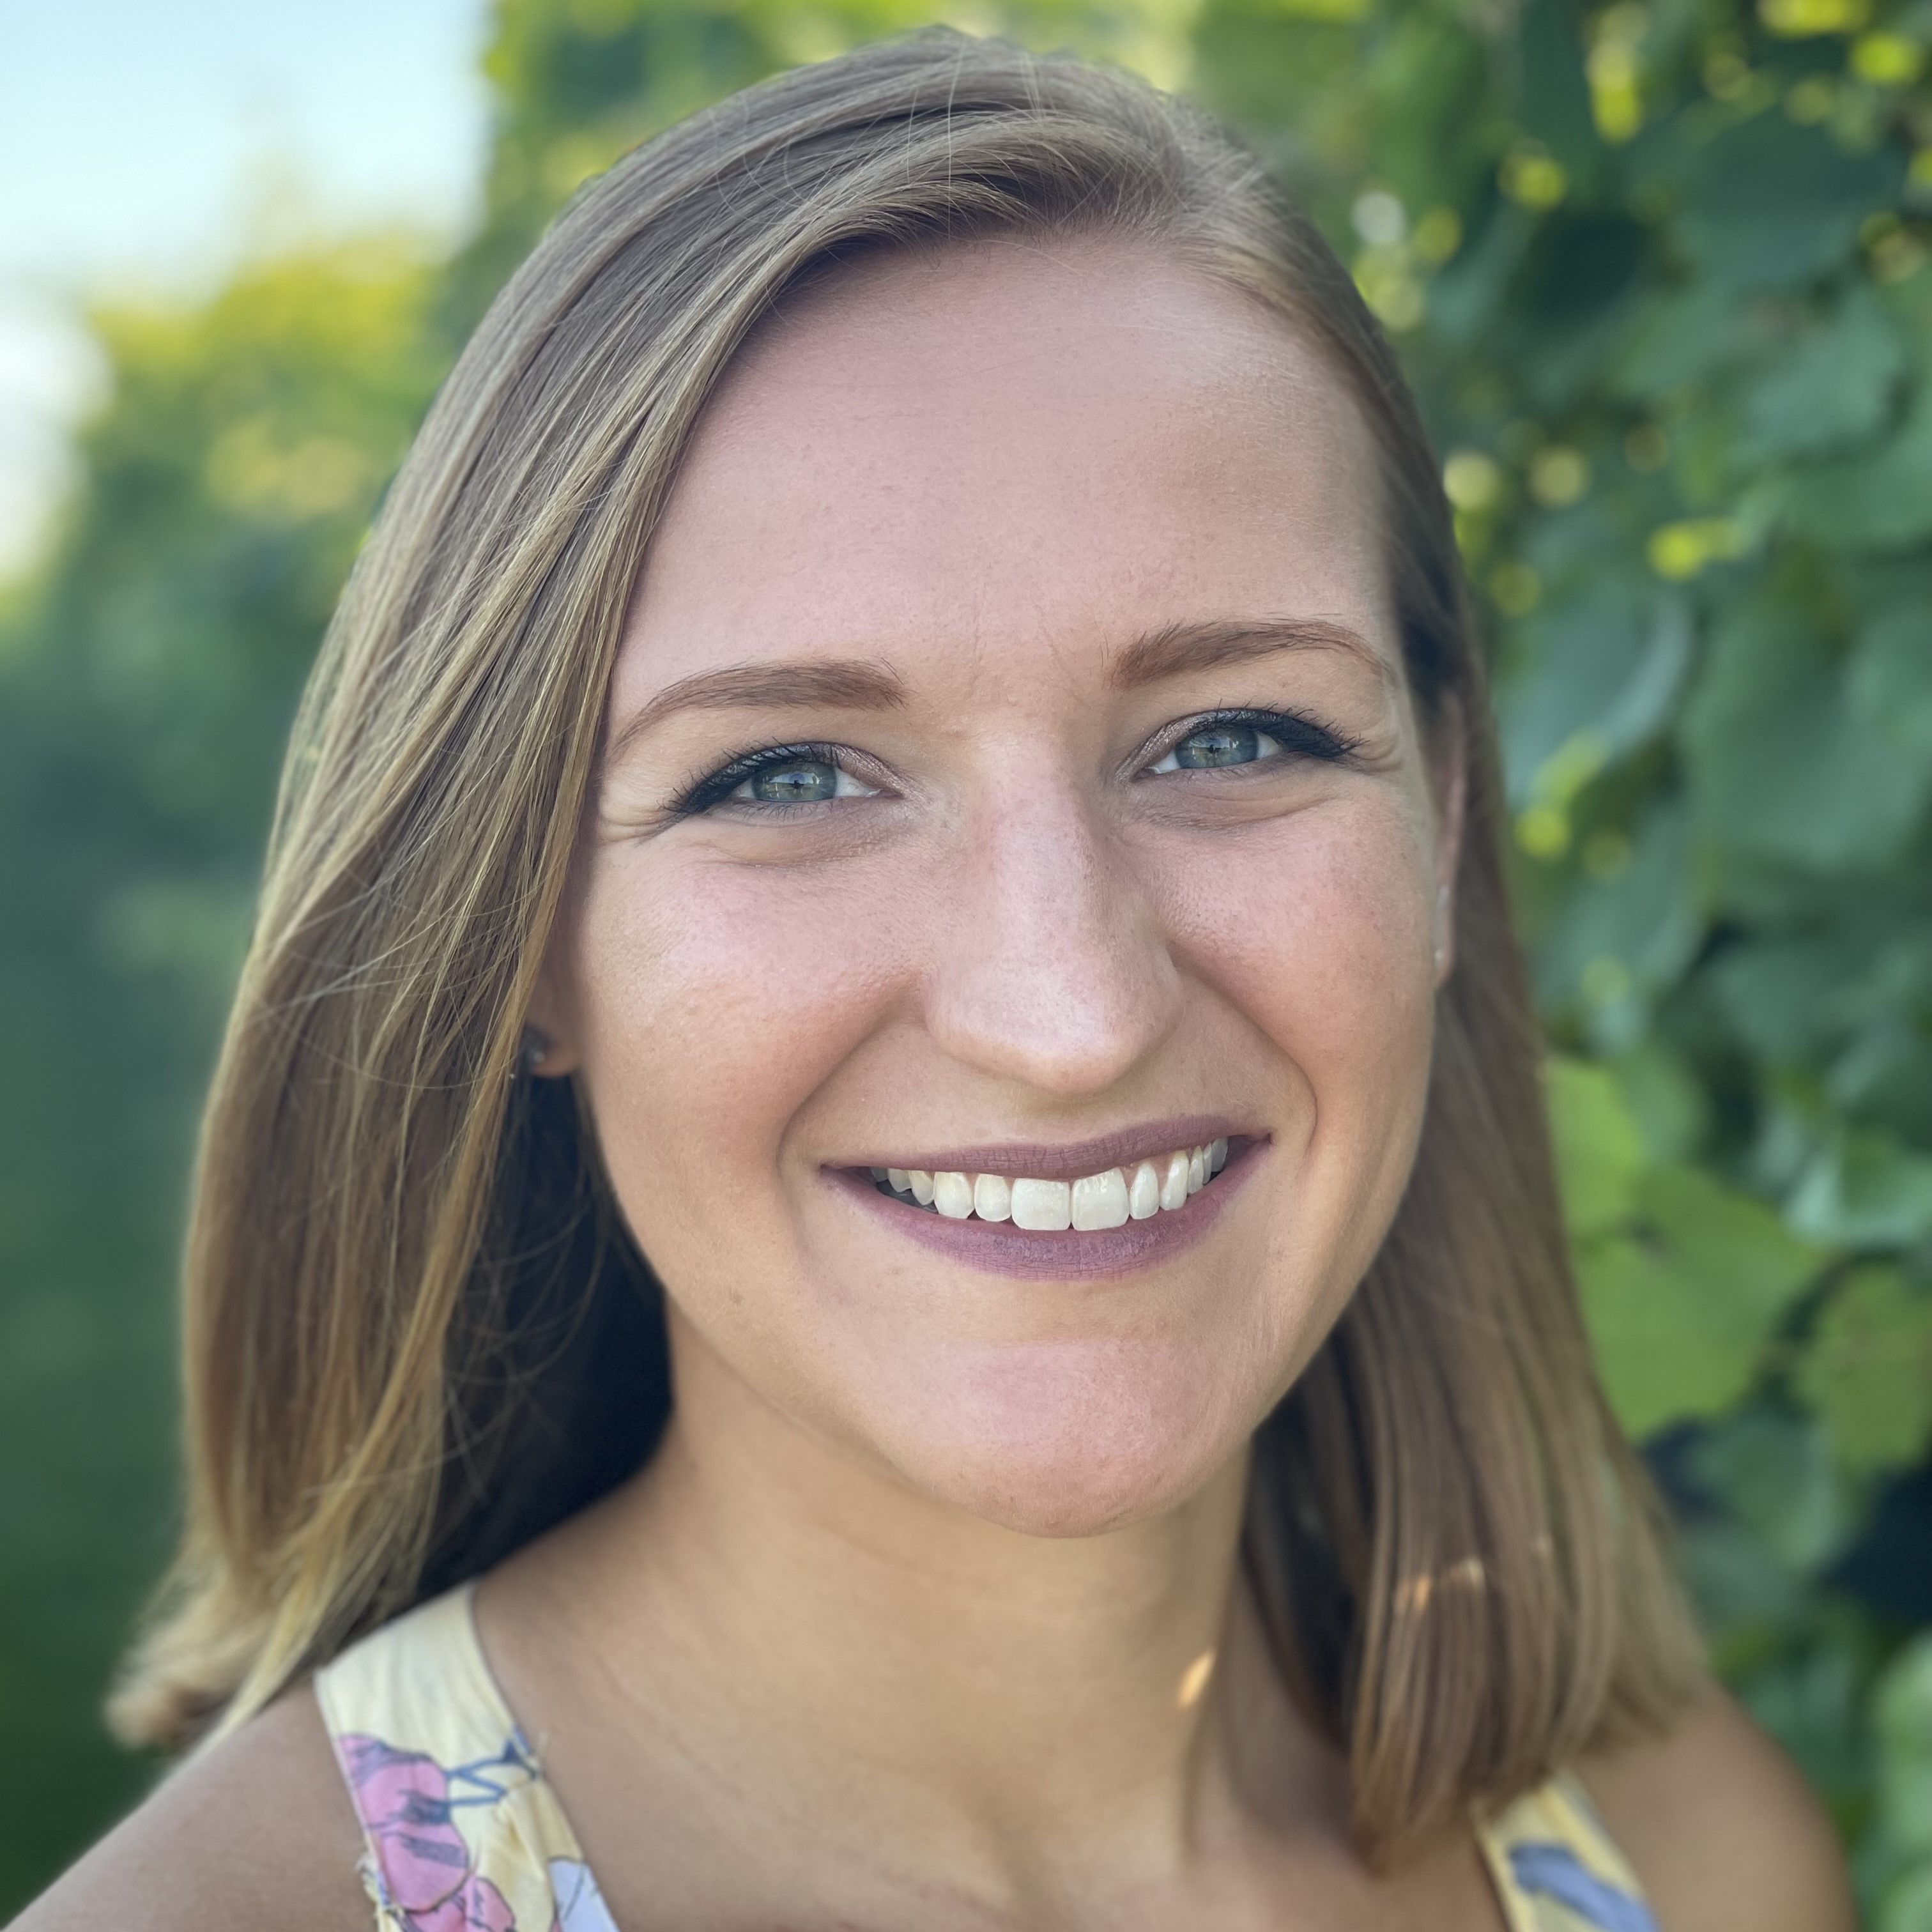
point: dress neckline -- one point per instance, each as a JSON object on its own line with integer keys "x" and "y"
{"x": 424, "y": 1734}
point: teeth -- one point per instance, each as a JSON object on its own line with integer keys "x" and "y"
{"x": 953, "y": 1195}
{"x": 1100, "y": 1200}
{"x": 1174, "y": 1182}
{"x": 1046, "y": 1205}
{"x": 1108, "y": 1199}
{"x": 993, "y": 1197}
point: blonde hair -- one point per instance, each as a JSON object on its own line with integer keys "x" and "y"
{"x": 416, "y": 1331}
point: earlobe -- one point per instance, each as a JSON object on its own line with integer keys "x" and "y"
{"x": 546, "y": 1050}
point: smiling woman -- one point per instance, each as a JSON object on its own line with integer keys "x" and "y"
{"x": 880, "y": 1160}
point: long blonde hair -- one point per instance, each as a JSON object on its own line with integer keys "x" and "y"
{"x": 416, "y": 1332}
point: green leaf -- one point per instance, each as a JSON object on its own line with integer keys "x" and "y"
{"x": 1599, "y": 1150}
{"x": 1617, "y": 941}
{"x": 1607, "y": 662}
{"x": 1680, "y": 1310}
{"x": 1889, "y": 686}
{"x": 1832, "y": 389}
{"x": 1771, "y": 204}
{"x": 1882, "y": 501}
{"x": 1774, "y": 1471}
{"x": 1906, "y": 1905}
{"x": 1903, "y": 1708}
{"x": 1783, "y": 764}
{"x": 1868, "y": 1370}
{"x": 1864, "y": 1190}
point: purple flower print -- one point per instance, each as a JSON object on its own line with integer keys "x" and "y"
{"x": 422, "y": 1862}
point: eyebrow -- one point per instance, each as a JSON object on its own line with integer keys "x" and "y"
{"x": 850, "y": 684}
{"x": 1181, "y": 647}
{"x": 859, "y": 684}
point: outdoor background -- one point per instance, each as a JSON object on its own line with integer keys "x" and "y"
{"x": 1661, "y": 271}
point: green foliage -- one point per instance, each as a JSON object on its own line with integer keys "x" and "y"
{"x": 147, "y": 681}
{"x": 1659, "y": 272}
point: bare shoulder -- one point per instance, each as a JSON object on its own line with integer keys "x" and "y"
{"x": 258, "y": 1832}
{"x": 1721, "y": 1828}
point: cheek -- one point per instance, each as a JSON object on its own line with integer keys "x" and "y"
{"x": 1319, "y": 933}
{"x": 714, "y": 1001}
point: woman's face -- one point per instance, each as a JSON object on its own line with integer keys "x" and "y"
{"x": 1011, "y": 779}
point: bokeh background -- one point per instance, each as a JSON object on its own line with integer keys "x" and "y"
{"x": 1660, "y": 269}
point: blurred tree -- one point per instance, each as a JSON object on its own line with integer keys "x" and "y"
{"x": 147, "y": 680}
{"x": 1660, "y": 273}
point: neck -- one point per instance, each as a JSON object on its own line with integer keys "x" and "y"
{"x": 1025, "y": 1711}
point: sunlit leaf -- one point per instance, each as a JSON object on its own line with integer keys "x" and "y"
{"x": 1681, "y": 1308}
{"x": 1599, "y": 1153}
{"x": 1868, "y": 1369}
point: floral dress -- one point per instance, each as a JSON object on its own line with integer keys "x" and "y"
{"x": 463, "y": 1832}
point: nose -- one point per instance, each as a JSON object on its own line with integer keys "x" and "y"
{"x": 1050, "y": 967}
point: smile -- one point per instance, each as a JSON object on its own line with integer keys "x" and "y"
{"x": 1103, "y": 1210}
{"x": 1110, "y": 1198}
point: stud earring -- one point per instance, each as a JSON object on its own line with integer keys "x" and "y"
{"x": 533, "y": 1050}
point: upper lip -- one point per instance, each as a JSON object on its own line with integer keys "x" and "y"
{"x": 1068, "y": 1160}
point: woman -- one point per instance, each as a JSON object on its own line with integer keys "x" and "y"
{"x": 897, "y": 833}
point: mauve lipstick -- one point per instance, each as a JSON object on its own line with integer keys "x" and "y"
{"x": 998, "y": 1247}
{"x": 1067, "y": 1160}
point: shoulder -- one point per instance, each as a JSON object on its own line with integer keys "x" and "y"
{"x": 1721, "y": 1828}
{"x": 259, "y": 1831}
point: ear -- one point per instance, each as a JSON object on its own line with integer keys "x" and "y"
{"x": 1450, "y": 762}
{"x": 549, "y": 1047}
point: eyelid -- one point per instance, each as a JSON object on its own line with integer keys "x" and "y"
{"x": 716, "y": 783}
{"x": 1288, "y": 729}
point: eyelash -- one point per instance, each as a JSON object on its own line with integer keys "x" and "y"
{"x": 723, "y": 781}
{"x": 1298, "y": 734}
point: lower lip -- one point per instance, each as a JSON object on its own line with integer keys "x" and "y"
{"x": 998, "y": 1247}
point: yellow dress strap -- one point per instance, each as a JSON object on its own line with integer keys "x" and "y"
{"x": 1556, "y": 1868}
{"x": 462, "y": 1832}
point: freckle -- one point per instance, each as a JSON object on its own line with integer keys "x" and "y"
{"x": 1194, "y": 1680}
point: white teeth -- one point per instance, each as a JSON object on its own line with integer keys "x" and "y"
{"x": 992, "y": 1197}
{"x": 1174, "y": 1182}
{"x": 1108, "y": 1199}
{"x": 953, "y": 1195}
{"x": 1100, "y": 1200}
{"x": 1044, "y": 1205}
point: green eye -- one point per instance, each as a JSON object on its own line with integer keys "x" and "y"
{"x": 1219, "y": 745}
{"x": 1214, "y": 745}
{"x": 799, "y": 781}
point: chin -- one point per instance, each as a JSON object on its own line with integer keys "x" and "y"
{"x": 1070, "y": 1440}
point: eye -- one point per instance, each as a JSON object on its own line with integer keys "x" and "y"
{"x": 1211, "y": 746}
{"x": 776, "y": 777}
{"x": 1252, "y": 738}
{"x": 798, "y": 781}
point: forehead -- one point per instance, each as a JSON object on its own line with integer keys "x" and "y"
{"x": 1007, "y": 445}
